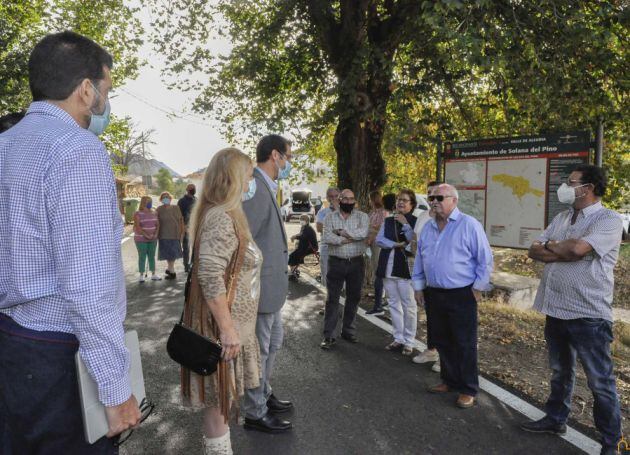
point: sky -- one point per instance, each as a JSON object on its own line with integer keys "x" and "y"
{"x": 184, "y": 145}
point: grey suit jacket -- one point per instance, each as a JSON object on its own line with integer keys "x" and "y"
{"x": 265, "y": 223}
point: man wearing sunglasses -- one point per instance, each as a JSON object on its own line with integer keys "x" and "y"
{"x": 580, "y": 249}
{"x": 452, "y": 267}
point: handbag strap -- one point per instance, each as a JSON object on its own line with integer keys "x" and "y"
{"x": 231, "y": 273}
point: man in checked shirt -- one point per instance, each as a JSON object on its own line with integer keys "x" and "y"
{"x": 580, "y": 248}
{"x": 62, "y": 287}
{"x": 345, "y": 231}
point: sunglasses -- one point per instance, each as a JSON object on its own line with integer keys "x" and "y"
{"x": 438, "y": 198}
{"x": 146, "y": 408}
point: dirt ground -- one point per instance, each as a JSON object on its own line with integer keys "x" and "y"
{"x": 512, "y": 349}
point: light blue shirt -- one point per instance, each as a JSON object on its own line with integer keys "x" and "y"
{"x": 60, "y": 239}
{"x": 458, "y": 256}
{"x": 273, "y": 186}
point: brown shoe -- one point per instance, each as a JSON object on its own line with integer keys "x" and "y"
{"x": 440, "y": 388}
{"x": 465, "y": 401}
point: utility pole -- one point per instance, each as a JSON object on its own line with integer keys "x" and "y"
{"x": 599, "y": 143}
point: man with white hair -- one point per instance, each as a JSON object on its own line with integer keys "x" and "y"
{"x": 452, "y": 267}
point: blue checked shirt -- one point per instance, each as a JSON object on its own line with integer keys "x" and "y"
{"x": 60, "y": 238}
{"x": 458, "y": 256}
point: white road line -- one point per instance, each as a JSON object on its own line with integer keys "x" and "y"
{"x": 579, "y": 440}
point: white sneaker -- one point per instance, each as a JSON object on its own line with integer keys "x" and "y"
{"x": 155, "y": 277}
{"x": 436, "y": 367}
{"x": 426, "y": 356}
{"x": 141, "y": 278}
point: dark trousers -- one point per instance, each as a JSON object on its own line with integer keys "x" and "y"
{"x": 39, "y": 400}
{"x": 342, "y": 271}
{"x": 589, "y": 340}
{"x": 430, "y": 343}
{"x": 453, "y": 322}
{"x": 186, "y": 252}
{"x": 378, "y": 292}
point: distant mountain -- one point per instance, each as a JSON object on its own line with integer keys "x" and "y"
{"x": 142, "y": 166}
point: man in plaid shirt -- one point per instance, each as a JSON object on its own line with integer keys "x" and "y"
{"x": 62, "y": 288}
{"x": 345, "y": 231}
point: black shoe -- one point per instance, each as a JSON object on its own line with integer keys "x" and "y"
{"x": 327, "y": 343}
{"x": 268, "y": 424}
{"x": 544, "y": 425}
{"x": 276, "y": 406}
{"x": 376, "y": 312}
{"x": 612, "y": 450}
{"x": 321, "y": 312}
{"x": 350, "y": 338}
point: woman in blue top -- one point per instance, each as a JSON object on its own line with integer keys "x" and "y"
{"x": 397, "y": 241}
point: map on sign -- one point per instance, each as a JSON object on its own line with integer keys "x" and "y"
{"x": 509, "y": 183}
{"x": 472, "y": 202}
{"x": 466, "y": 173}
{"x": 516, "y": 193}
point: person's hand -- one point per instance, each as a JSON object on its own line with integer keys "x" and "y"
{"x": 400, "y": 245}
{"x": 122, "y": 417}
{"x": 401, "y": 219}
{"x": 343, "y": 233}
{"x": 346, "y": 240}
{"x": 477, "y": 295}
{"x": 231, "y": 343}
{"x": 419, "y": 295}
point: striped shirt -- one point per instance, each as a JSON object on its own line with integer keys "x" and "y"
{"x": 57, "y": 195}
{"x": 356, "y": 225}
{"x": 583, "y": 288}
{"x": 148, "y": 222}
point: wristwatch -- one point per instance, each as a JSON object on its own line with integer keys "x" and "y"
{"x": 545, "y": 245}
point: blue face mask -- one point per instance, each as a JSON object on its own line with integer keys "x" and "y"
{"x": 285, "y": 171}
{"x": 149, "y": 205}
{"x": 250, "y": 191}
{"x": 166, "y": 201}
{"x": 98, "y": 122}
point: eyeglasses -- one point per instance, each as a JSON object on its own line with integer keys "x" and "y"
{"x": 402, "y": 199}
{"x": 146, "y": 408}
{"x": 438, "y": 198}
{"x": 347, "y": 199}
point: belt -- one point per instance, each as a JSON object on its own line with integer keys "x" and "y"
{"x": 354, "y": 258}
{"x": 447, "y": 290}
{"x": 9, "y": 326}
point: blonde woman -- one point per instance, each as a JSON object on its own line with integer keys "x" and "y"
{"x": 223, "y": 299}
{"x": 171, "y": 233}
{"x": 145, "y": 228}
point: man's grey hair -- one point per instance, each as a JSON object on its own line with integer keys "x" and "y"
{"x": 451, "y": 190}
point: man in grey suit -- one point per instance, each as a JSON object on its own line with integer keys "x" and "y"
{"x": 273, "y": 157}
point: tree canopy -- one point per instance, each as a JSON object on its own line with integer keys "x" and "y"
{"x": 381, "y": 79}
{"x": 111, "y": 23}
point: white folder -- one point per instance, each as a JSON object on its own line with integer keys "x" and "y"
{"x": 94, "y": 419}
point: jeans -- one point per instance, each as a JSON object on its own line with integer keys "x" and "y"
{"x": 39, "y": 400}
{"x": 453, "y": 314}
{"x": 340, "y": 271}
{"x": 589, "y": 340}
{"x": 146, "y": 252}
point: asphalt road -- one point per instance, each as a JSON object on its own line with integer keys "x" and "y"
{"x": 356, "y": 399}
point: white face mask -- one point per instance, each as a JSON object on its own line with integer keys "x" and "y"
{"x": 566, "y": 193}
{"x": 302, "y": 223}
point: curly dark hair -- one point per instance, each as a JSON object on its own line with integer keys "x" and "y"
{"x": 389, "y": 201}
{"x": 594, "y": 175}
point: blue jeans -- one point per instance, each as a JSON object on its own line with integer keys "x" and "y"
{"x": 40, "y": 410}
{"x": 589, "y": 340}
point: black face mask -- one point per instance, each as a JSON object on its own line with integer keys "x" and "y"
{"x": 345, "y": 207}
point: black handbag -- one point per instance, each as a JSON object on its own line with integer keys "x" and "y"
{"x": 192, "y": 350}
